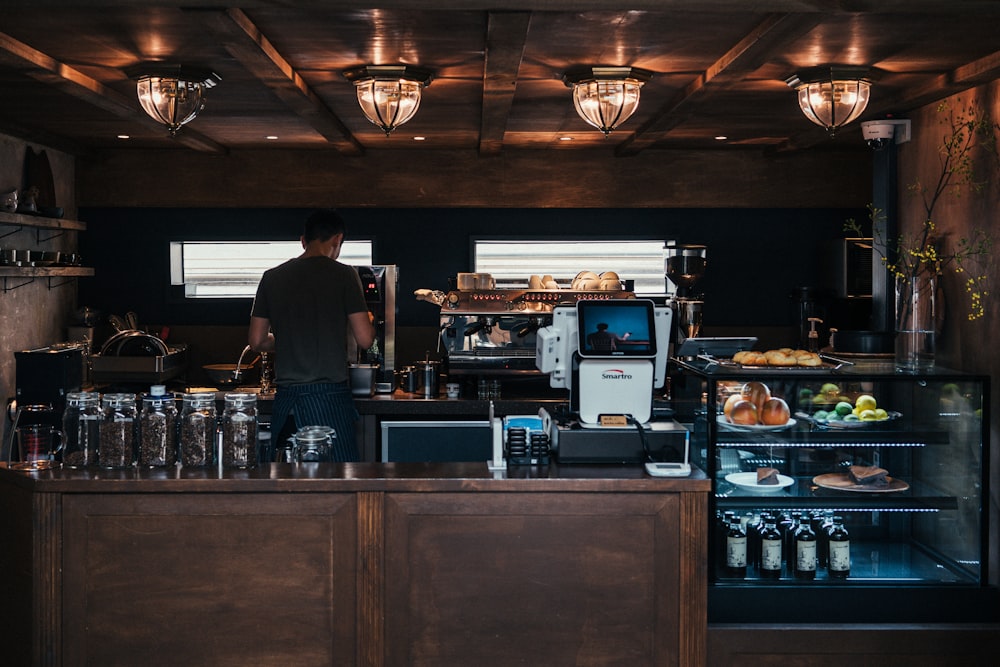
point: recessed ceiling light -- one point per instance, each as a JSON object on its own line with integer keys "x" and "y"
{"x": 420, "y": 138}
{"x": 271, "y": 137}
{"x": 124, "y": 136}
{"x": 721, "y": 137}
{"x": 565, "y": 138}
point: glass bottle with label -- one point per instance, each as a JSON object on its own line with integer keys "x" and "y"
{"x": 805, "y": 550}
{"x": 788, "y": 528}
{"x": 239, "y": 431}
{"x": 823, "y": 537}
{"x": 736, "y": 551}
{"x": 722, "y": 523}
{"x": 158, "y": 429}
{"x": 82, "y": 429}
{"x": 770, "y": 550}
{"x": 839, "y": 566}
{"x": 754, "y": 526}
{"x": 198, "y": 429}
{"x": 118, "y": 426}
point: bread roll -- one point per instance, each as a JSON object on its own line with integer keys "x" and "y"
{"x": 780, "y": 358}
{"x": 808, "y": 359}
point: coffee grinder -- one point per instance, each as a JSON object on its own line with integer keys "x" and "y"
{"x": 685, "y": 266}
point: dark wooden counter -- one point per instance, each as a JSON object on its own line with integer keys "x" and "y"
{"x": 353, "y": 564}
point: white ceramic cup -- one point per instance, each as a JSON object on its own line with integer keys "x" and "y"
{"x": 452, "y": 388}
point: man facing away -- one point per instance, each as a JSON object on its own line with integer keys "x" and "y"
{"x": 304, "y": 311}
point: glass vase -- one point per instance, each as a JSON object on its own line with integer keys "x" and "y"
{"x": 915, "y": 322}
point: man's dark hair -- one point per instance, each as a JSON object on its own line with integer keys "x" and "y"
{"x": 323, "y": 224}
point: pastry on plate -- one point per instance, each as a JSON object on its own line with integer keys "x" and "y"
{"x": 767, "y": 476}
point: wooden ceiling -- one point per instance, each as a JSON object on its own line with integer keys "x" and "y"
{"x": 719, "y": 69}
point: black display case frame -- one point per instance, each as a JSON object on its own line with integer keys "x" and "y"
{"x": 939, "y": 421}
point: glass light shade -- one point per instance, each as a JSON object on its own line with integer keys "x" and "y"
{"x": 170, "y": 100}
{"x": 606, "y": 96}
{"x": 388, "y": 103}
{"x": 831, "y": 97}
{"x": 606, "y": 104}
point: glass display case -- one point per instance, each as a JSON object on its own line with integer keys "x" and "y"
{"x": 842, "y": 493}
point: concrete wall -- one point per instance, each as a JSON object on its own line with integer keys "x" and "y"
{"x": 33, "y": 315}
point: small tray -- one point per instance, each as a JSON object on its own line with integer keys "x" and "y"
{"x": 829, "y": 363}
{"x": 839, "y": 481}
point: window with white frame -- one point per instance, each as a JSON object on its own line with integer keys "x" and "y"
{"x": 513, "y": 262}
{"x": 232, "y": 269}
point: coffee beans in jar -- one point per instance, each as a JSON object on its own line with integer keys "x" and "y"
{"x": 81, "y": 426}
{"x": 118, "y": 431}
{"x": 239, "y": 431}
{"x": 158, "y": 429}
{"x": 198, "y": 428}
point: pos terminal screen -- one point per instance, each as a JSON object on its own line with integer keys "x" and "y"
{"x": 616, "y": 328}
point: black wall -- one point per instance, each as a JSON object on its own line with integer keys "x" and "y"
{"x": 755, "y": 256}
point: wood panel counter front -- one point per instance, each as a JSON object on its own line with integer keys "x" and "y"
{"x": 353, "y": 564}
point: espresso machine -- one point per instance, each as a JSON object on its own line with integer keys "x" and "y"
{"x": 379, "y": 284}
{"x": 491, "y": 333}
{"x": 684, "y": 267}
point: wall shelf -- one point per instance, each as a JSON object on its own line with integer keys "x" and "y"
{"x": 57, "y": 275}
{"x": 38, "y": 223}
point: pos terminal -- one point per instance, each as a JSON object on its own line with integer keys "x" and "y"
{"x": 610, "y": 354}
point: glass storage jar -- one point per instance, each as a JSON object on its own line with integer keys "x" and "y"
{"x": 312, "y": 444}
{"x": 81, "y": 429}
{"x": 239, "y": 431}
{"x": 118, "y": 426}
{"x": 158, "y": 429}
{"x": 198, "y": 429}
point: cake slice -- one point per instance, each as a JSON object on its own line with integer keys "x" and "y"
{"x": 767, "y": 476}
{"x": 868, "y": 475}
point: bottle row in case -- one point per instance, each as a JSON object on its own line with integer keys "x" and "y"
{"x": 794, "y": 546}
{"x": 119, "y": 430}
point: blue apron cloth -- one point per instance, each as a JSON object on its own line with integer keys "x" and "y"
{"x": 319, "y": 404}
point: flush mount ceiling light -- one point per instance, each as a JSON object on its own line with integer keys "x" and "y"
{"x": 389, "y": 95}
{"x": 606, "y": 97}
{"x": 832, "y": 95}
{"x": 172, "y": 94}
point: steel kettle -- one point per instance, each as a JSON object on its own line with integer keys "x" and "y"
{"x": 408, "y": 379}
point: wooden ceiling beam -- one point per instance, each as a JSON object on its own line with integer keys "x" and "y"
{"x": 745, "y": 56}
{"x": 970, "y": 75}
{"x": 506, "y": 35}
{"x": 243, "y": 40}
{"x": 48, "y": 70}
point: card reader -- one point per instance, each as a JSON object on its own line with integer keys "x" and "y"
{"x": 668, "y": 469}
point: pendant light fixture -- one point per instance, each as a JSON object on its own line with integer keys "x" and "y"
{"x": 389, "y": 95}
{"x": 172, "y": 94}
{"x": 606, "y": 97}
{"x": 830, "y": 95}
